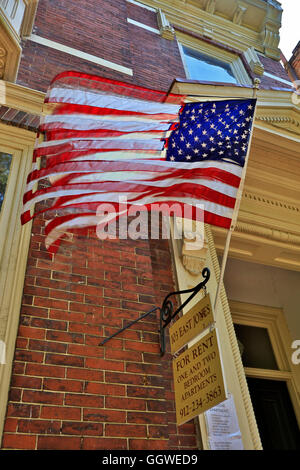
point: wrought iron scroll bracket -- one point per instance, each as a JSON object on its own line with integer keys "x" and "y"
{"x": 167, "y": 310}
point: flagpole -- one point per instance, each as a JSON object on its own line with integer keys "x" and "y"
{"x": 237, "y": 204}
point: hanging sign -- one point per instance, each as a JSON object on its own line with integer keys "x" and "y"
{"x": 198, "y": 379}
{"x": 196, "y": 320}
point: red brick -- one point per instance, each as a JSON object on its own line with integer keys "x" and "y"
{"x": 58, "y": 443}
{"x": 102, "y": 364}
{"x": 62, "y": 413}
{"x": 10, "y": 425}
{"x": 125, "y": 403}
{"x": 23, "y": 410}
{"x": 49, "y": 324}
{"x": 149, "y": 444}
{"x": 50, "y": 303}
{"x": 65, "y": 337}
{"x": 104, "y": 389}
{"x": 18, "y": 441}
{"x": 82, "y": 429}
{"x": 63, "y": 385}
{"x": 125, "y": 430}
{"x": 146, "y": 418}
{"x": 33, "y": 426}
{"x": 85, "y": 374}
{"x": 84, "y": 399}
{"x": 26, "y": 382}
{"x": 48, "y": 346}
{"x": 104, "y": 415}
{"x": 29, "y": 332}
{"x": 29, "y": 356}
{"x": 64, "y": 359}
{"x": 42, "y": 397}
{"x": 45, "y": 371}
{"x": 92, "y": 443}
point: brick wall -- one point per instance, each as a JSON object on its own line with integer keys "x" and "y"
{"x": 67, "y": 392}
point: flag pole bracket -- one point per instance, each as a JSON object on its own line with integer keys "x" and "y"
{"x": 167, "y": 313}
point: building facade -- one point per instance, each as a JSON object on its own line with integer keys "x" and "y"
{"x": 58, "y": 388}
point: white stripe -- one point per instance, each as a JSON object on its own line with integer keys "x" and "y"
{"x": 113, "y": 144}
{"x": 82, "y": 55}
{"x": 134, "y": 136}
{"x": 103, "y": 100}
{"x": 95, "y": 117}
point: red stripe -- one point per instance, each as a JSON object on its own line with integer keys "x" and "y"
{"x": 51, "y": 161}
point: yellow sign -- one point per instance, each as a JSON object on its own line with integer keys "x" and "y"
{"x": 198, "y": 379}
{"x": 191, "y": 324}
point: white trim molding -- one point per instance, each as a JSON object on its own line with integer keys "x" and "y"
{"x": 82, "y": 55}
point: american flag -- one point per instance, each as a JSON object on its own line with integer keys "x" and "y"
{"x": 106, "y": 138}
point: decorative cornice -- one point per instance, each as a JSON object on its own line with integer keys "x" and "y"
{"x": 269, "y": 233}
{"x": 272, "y": 202}
{"x": 166, "y": 30}
{"x": 283, "y": 122}
{"x": 237, "y": 23}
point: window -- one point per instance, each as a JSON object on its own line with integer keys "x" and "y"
{"x": 5, "y": 162}
{"x": 202, "y": 67}
{"x": 204, "y": 61}
{"x": 273, "y": 380}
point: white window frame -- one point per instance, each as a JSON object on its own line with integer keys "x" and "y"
{"x": 14, "y": 244}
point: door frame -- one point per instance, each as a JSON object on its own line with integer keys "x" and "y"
{"x": 274, "y": 321}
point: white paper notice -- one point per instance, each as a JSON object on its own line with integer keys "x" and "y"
{"x": 223, "y": 427}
